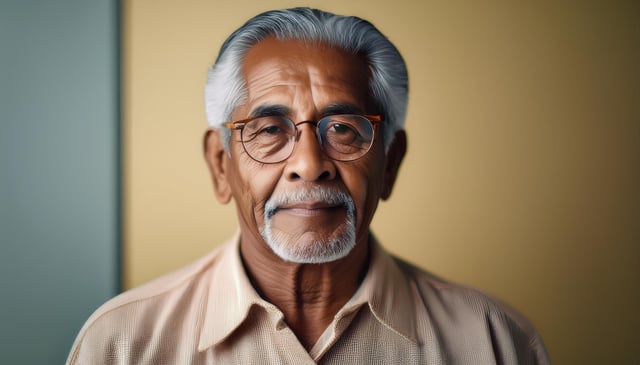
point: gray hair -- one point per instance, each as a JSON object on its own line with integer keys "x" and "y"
{"x": 225, "y": 88}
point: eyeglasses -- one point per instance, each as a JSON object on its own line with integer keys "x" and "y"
{"x": 271, "y": 139}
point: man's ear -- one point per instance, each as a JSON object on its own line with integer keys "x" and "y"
{"x": 217, "y": 160}
{"x": 395, "y": 155}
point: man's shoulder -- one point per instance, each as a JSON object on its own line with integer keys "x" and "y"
{"x": 434, "y": 289}
{"x": 460, "y": 311}
{"x": 180, "y": 281}
{"x": 172, "y": 298}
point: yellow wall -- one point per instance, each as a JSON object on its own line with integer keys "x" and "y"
{"x": 522, "y": 173}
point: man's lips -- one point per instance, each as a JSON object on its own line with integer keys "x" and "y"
{"x": 309, "y": 209}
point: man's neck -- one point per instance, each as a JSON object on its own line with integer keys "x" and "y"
{"x": 309, "y": 295}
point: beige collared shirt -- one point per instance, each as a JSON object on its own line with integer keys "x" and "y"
{"x": 208, "y": 313}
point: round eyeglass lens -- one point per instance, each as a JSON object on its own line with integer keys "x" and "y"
{"x": 269, "y": 139}
{"x": 345, "y": 137}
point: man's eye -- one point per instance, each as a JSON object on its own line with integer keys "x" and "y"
{"x": 272, "y": 129}
{"x": 341, "y": 128}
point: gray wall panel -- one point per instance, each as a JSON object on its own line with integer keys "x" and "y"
{"x": 58, "y": 172}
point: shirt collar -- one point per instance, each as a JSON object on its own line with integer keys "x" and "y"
{"x": 231, "y": 295}
{"x": 388, "y": 294}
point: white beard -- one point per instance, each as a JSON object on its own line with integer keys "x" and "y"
{"x": 310, "y": 251}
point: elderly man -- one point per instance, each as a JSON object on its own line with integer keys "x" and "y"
{"x": 306, "y": 110}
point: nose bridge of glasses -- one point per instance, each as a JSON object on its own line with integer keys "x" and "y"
{"x": 312, "y": 124}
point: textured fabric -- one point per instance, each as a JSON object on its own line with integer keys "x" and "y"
{"x": 208, "y": 313}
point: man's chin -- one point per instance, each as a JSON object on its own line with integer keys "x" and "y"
{"x": 310, "y": 247}
{"x": 310, "y": 226}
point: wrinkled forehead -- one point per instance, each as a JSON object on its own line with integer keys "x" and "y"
{"x": 272, "y": 61}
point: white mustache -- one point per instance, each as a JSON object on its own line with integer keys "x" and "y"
{"x": 331, "y": 196}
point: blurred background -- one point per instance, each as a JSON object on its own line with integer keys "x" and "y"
{"x": 522, "y": 176}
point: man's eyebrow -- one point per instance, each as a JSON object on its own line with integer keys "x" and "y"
{"x": 282, "y": 110}
{"x": 342, "y": 108}
{"x": 270, "y": 110}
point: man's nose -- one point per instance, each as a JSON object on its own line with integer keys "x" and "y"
{"x": 308, "y": 162}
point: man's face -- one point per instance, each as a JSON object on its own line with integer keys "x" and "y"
{"x": 307, "y": 208}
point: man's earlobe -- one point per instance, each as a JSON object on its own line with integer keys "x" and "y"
{"x": 395, "y": 155}
{"x": 216, "y": 157}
